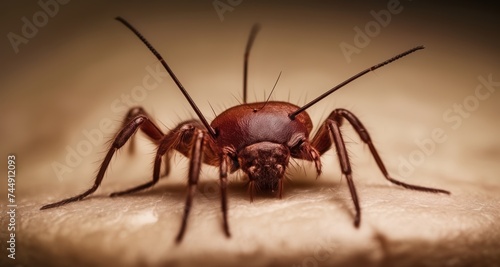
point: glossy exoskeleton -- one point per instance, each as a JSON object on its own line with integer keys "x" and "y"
{"x": 258, "y": 138}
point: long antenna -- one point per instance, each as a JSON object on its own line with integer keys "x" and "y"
{"x": 211, "y": 130}
{"x": 251, "y": 38}
{"x": 327, "y": 93}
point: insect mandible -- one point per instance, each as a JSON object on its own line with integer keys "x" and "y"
{"x": 258, "y": 138}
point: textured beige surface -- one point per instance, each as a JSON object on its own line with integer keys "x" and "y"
{"x": 77, "y": 71}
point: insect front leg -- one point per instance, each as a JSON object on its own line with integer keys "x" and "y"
{"x": 140, "y": 121}
{"x": 194, "y": 173}
{"x": 330, "y": 133}
{"x": 224, "y": 169}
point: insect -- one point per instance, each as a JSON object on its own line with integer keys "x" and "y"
{"x": 258, "y": 138}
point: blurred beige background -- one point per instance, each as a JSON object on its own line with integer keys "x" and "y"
{"x": 81, "y": 69}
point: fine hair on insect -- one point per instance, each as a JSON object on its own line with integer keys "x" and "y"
{"x": 256, "y": 138}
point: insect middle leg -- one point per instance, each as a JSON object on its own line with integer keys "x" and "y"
{"x": 189, "y": 138}
{"x": 136, "y": 119}
{"x": 179, "y": 139}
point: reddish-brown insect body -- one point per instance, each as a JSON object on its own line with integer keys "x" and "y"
{"x": 257, "y": 138}
{"x": 262, "y": 137}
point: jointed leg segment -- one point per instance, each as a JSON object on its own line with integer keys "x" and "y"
{"x": 331, "y": 129}
{"x": 188, "y": 138}
{"x": 224, "y": 169}
{"x": 345, "y": 165}
{"x": 140, "y": 121}
{"x": 178, "y": 138}
{"x": 194, "y": 173}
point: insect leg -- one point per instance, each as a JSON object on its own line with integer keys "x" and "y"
{"x": 338, "y": 114}
{"x": 345, "y": 165}
{"x": 251, "y": 189}
{"x": 141, "y": 121}
{"x": 194, "y": 173}
{"x": 130, "y": 115}
{"x": 224, "y": 168}
{"x": 156, "y": 174}
{"x": 280, "y": 188}
{"x": 178, "y": 138}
